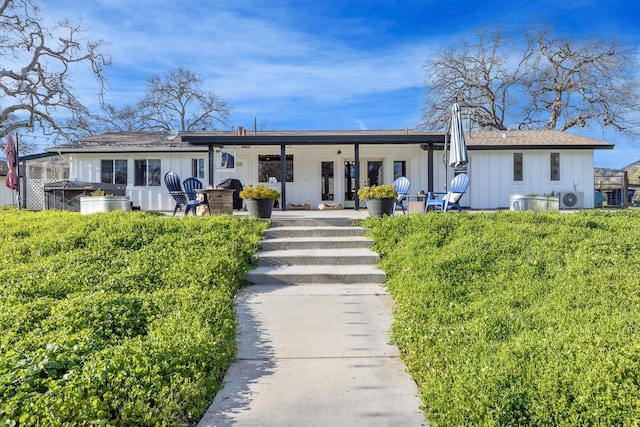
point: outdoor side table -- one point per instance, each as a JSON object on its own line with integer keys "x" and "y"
{"x": 220, "y": 200}
{"x": 415, "y": 203}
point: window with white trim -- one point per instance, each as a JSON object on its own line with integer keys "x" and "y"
{"x": 555, "y": 166}
{"x": 113, "y": 171}
{"x": 518, "y": 167}
{"x": 146, "y": 172}
{"x": 399, "y": 169}
{"x": 269, "y": 168}
{"x": 197, "y": 168}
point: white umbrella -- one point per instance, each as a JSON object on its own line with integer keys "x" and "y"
{"x": 458, "y": 146}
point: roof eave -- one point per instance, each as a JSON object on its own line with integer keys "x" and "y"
{"x": 541, "y": 147}
{"x": 109, "y": 150}
{"x": 312, "y": 139}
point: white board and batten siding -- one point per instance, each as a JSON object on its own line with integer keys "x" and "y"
{"x": 490, "y": 168}
{"x": 491, "y": 174}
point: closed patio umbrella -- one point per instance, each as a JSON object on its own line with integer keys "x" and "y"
{"x": 457, "y": 144}
{"x": 11, "y": 181}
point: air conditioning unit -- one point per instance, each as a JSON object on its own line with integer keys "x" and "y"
{"x": 571, "y": 200}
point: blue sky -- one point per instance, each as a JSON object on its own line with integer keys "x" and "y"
{"x": 303, "y": 64}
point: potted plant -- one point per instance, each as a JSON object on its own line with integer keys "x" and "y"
{"x": 99, "y": 201}
{"x": 259, "y": 200}
{"x": 380, "y": 199}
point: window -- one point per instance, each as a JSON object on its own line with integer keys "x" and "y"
{"x": 147, "y": 172}
{"x": 517, "y": 167}
{"x": 327, "y": 180}
{"x": 555, "y": 166}
{"x": 113, "y": 171}
{"x": 269, "y": 168}
{"x": 399, "y": 169}
{"x": 197, "y": 168}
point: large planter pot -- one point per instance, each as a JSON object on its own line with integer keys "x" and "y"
{"x": 259, "y": 208}
{"x": 377, "y": 208}
{"x": 93, "y": 204}
{"x": 522, "y": 202}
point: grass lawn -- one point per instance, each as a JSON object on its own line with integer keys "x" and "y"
{"x": 518, "y": 318}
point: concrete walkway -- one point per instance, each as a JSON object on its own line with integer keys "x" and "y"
{"x": 315, "y": 354}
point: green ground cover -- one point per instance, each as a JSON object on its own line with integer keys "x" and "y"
{"x": 518, "y": 318}
{"x": 117, "y": 319}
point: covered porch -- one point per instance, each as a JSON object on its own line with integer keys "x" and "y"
{"x": 428, "y": 141}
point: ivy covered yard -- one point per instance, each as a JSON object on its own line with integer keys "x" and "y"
{"x": 518, "y": 318}
{"x": 117, "y": 319}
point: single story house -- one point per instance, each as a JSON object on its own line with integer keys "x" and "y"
{"x": 328, "y": 167}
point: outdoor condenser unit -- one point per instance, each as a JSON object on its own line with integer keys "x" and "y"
{"x": 572, "y": 200}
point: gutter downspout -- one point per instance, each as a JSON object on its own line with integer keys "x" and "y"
{"x": 211, "y": 165}
{"x": 430, "y": 168}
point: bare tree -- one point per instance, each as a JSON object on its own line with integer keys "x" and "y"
{"x": 572, "y": 84}
{"x": 475, "y": 75}
{"x": 126, "y": 119}
{"x": 35, "y": 92}
{"x": 177, "y": 101}
{"x": 546, "y": 84}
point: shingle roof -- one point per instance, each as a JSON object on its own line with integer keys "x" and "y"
{"x": 531, "y": 139}
{"x": 196, "y": 141}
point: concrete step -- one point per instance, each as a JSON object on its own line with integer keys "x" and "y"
{"x": 296, "y": 243}
{"x": 325, "y": 274}
{"x": 344, "y": 256}
{"x": 313, "y": 231}
{"x": 313, "y": 222}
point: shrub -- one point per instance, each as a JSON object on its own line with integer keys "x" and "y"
{"x": 386, "y": 191}
{"x": 118, "y": 318}
{"x": 517, "y": 318}
{"x": 259, "y": 192}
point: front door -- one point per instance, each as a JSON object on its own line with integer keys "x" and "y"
{"x": 370, "y": 174}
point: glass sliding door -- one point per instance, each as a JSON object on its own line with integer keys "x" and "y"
{"x": 327, "y": 181}
{"x": 371, "y": 173}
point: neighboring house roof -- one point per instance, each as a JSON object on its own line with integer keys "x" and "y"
{"x": 117, "y": 142}
{"x": 195, "y": 141}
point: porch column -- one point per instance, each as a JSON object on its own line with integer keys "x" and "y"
{"x": 356, "y": 155}
{"x": 211, "y": 165}
{"x": 283, "y": 177}
{"x": 430, "y": 168}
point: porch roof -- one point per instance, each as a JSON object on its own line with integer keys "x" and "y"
{"x": 242, "y": 137}
{"x": 476, "y": 140}
{"x": 119, "y": 142}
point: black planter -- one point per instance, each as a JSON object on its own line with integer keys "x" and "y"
{"x": 379, "y": 207}
{"x": 259, "y": 208}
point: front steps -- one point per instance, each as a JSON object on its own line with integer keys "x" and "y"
{"x": 306, "y": 251}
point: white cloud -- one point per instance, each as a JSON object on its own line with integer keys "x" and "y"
{"x": 248, "y": 59}
{"x": 281, "y": 62}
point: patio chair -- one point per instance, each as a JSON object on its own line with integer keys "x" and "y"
{"x": 401, "y": 185}
{"x": 190, "y": 186}
{"x": 450, "y": 199}
{"x": 172, "y": 181}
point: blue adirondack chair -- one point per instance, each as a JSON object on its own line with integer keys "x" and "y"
{"x": 190, "y": 186}
{"x": 172, "y": 181}
{"x": 450, "y": 199}
{"x": 401, "y": 185}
